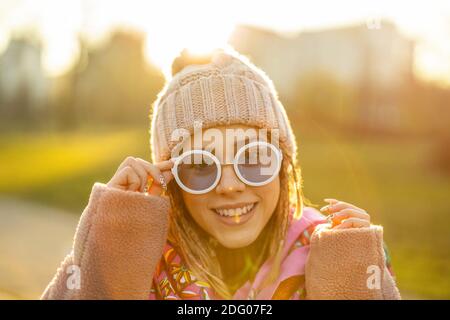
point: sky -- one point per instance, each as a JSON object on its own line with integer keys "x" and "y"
{"x": 200, "y": 25}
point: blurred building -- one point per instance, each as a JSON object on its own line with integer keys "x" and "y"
{"x": 111, "y": 83}
{"x": 24, "y": 87}
{"x": 374, "y": 62}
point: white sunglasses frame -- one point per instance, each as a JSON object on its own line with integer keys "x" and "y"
{"x": 178, "y": 160}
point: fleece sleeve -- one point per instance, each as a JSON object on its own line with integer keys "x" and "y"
{"x": 349, "y": 264}
{"x": 117, "y": 245}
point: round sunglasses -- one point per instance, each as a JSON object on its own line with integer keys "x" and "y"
{"x": 255, "y": 164}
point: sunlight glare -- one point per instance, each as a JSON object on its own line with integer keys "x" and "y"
{"x": 202, "y": 25}
{"x": 193, "y": 30}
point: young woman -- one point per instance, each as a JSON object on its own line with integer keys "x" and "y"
{"x": 219, "y": 214}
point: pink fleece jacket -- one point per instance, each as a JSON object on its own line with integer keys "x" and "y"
{"x": 121, "y": 235}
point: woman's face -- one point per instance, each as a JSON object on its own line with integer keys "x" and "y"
{"x": 230, "y": 194}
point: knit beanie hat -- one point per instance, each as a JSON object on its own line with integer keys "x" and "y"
{"x": 227, "y": 90}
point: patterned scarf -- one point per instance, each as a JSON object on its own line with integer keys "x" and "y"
{"x": 172, "y": 279}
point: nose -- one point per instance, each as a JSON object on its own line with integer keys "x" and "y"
{"x": 229, "y": 182}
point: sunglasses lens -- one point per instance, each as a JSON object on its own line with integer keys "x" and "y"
{"x": 258, "y": 164}
{"x": 197, "y": 172}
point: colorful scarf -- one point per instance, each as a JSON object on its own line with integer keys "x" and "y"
{"x": 172, "y": 279}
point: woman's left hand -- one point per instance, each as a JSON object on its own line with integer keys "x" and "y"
{"x": 343, "y": 215}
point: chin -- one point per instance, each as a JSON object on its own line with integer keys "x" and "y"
{"x": 236, "y": 241}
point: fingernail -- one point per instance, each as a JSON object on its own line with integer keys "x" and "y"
{"x": 325, "y": 208}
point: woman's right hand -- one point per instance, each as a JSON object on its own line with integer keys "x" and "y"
{"x": 133, "y": 175}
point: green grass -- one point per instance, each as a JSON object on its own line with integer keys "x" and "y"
{"x": 390, "y": 178}
{"x": 60, "y": 169}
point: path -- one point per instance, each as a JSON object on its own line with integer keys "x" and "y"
{"x": 33, "y": 241}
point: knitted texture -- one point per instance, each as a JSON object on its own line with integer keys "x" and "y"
{"x": 228, "y": 90}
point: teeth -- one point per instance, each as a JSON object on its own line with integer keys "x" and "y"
{"x": 235, "y": 212}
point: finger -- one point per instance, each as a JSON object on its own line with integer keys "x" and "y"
{"x": 119, "y": 180}
{"x": 335, "y": 202}
{"x": 156, "y": 173}
{"x": 330, "y": 203}
{"x": 129, "y": 179}
{"x": 330, "y": 200}
{"x": 141, "y": 172}
{"x": 134, "y": 182}
{"x": 335, "y": 220}
{"x": 161, "y": 166}
{"x": 353, "y": 213}
{"x": 353, "y": 223}
{"x": 125, "y": 163}
{"x": 155, "y": 170}
{"x": 151, "y": 169}
{"x": 164, "y": 165}
{"x": 336, "y": 205}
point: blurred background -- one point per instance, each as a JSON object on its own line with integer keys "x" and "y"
{"x": 366, "y": 85}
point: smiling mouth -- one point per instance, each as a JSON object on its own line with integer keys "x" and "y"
{"x": 236, "y": 211}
